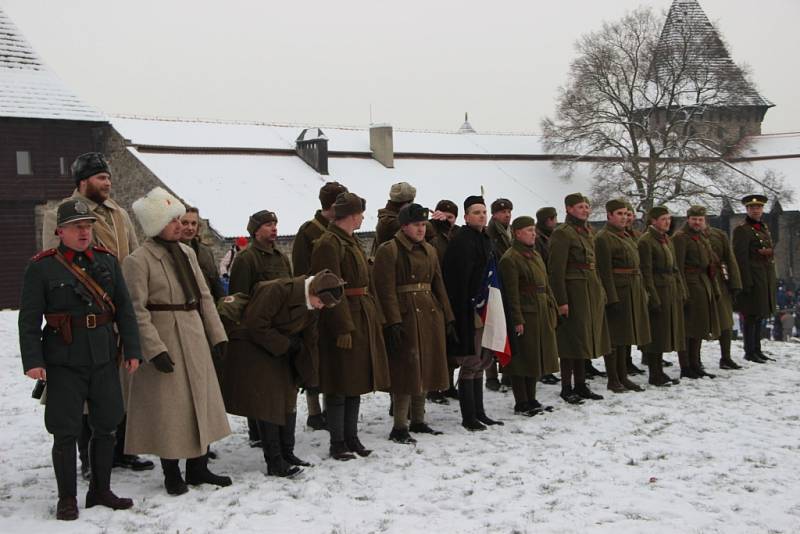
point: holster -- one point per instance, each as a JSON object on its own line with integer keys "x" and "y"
{"x": 61, "y": 323}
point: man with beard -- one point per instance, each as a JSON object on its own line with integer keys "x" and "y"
{"x": 753, "y": 247}
{"x": 696, "y": 260}
{"x": 464, "y": 272}
{"x": 352, "y": 354}
{"x": 583, "y": 332}
{"x": 261, "y": 261}
{"x": 730, "y": 284}
{"x": 626, "y": 310}
{"x": 80, "y": 292}
{"x": 302, "y": 247}
{"x": 499, "y": 232}
{"x": 114, "y": 231}
{"x": 410, "y": 289}
{"x": 442, "y": 227}
{"x": 190, "y": 236}
{"x": 546, "y": 222}
{"x": 666, "y": 294}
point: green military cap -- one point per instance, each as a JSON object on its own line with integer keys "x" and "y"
{"x": 696, "y": 211}
{"x": 402, "y": 192}
{"x": 329, "y": 192}
{"x": 73, "y": 210}
{"x": 575, "y": 198}
{"x": 615, "y": 204}
{"x": 259, "y": 218}
{"x": 754, "y": 200}
{"x": 348, "y": 204}
{"x": 546, "y": 213}
{"x": 629, "y": 206}
{"x": 522, "y": 222}
{"x": 447, "y": 205}
{"x": 656, "y": 212}
{"x": 411, "y": 213}
{"x": 502, "y": 204}
{"x": 328, "y": 287}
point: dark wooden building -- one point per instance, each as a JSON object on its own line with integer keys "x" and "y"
{"x": 43, "y": 126}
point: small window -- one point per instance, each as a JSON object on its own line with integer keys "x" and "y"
{"x": 24, "y": 162}
{"x": 63, "y": 166}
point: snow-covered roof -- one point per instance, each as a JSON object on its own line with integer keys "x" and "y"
{"x": 28, "y": 89}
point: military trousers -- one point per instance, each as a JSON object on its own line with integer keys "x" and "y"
{"x": 472, "y": 366}
{"x": 402, "y": 404}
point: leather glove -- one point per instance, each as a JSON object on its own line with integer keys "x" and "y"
{"x": 295, "y": 345}
{"x": 344, "y": 341}
{"x": 450, "y": 332}
{"x": 163, "y": 363}
{"x": 393, "y": 335}
{"x": 218, "y": 350}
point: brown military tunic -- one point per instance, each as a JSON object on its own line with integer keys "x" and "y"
{"x": 618, "y": 267}
{"x": 409, "y": 285}
{"x": 304, "y": 242}
{"x": 695, "y": 259}
{"x": 260, "y": 381}
{"x": 364, "y": 367}
{"x": 500, "y": 236}
{"x": 542, "y": 244}
{"x": 531, "y": 303}
{"x": 752, "y": 245}
{"x": 257, "y": 263}
{"x": 727, "y": 273}
{"x": 665, "y": 291}
{"x": 573, "y": 278}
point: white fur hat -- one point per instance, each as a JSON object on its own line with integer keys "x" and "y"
{"x": 156, "y": 209}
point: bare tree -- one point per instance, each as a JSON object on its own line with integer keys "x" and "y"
{"x": 647, "y": 107}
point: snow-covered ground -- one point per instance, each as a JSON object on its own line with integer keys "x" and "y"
{"x": 707, "y": 456}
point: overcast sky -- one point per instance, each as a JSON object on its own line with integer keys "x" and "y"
{"x": 418, "y": 64}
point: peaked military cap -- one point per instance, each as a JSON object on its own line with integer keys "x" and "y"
{"x": 502, "y": 204}
{"x": 411, "y": 213}
{"x": 754, "y": 200}
{"x": 73, "y": 210}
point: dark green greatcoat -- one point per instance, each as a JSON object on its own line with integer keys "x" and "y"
{"x": 421, "y": 364}
{"x": 727, "y": 273}
{"x": 303, "y": 243}
{"x": 583, "y": 334}
{"x": 695, "y": 260}
{"x": 759, "y": 284}
{"x": 364, "y": 367}
{"x": 618, "y": 267}
{"x": 531, "y": 303}
{"x": 257, "y": 263}
{"x": 665, "y": 292}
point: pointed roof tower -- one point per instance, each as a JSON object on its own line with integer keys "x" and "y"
{"x": 466, "y": 128}
{"x": 688, "y": 25}
{"x": 28, "y": 89}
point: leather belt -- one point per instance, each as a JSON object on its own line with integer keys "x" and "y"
{"x": 356, "y": 291}
{"x": 414, "y": 288}
{"x": 90, "y": 320}
{"x": 625, "y": 270}
{"x": 532, "y": 290}
{"x": 189, "y": 306}
{"x": 581, "y": 266}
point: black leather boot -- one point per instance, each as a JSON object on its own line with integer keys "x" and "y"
{"x": 351, "y": 409}
{"x": 466, "y": 401}
{"x": 101, "y": 457}
{"x": 335, "y": 407}
{"x": 66, "y": 478}
{"x": 128, "y": 461}
{"x": 277, "y": 465}
{"x": 480, "y": 413}
{"x": 173, "y": 481}
{"x": 287, "y": 441}
{"x": 197, "y": 473}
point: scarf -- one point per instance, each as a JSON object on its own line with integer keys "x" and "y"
{"x": 183, "y": 270}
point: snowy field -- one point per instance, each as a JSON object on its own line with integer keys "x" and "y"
{"x": 707, "y": 456}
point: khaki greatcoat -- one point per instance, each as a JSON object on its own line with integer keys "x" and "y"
{"x": 421, "y": 365}
{"x": 695, "y": 258}
{"x": 303, "y": 243}
{"x": 178, "y": 414}
{"x": 364, "y": 367}
{"x": 573, "y": 278}
{"x": 618, "y": 267}
{"x": 666, "y": 292}
{"x": 727, "y": 273}
{"x": 259, "y": 380}
{"x": 531, "y": 303}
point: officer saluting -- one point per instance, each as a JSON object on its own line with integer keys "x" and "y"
{"x": 80, "y": 291}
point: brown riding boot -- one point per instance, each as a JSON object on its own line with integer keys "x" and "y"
{"x": 614, "y": 383}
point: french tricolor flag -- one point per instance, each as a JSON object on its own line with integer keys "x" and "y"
{"x": 490, "y": 309}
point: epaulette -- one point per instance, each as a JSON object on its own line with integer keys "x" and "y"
{"x": 43, "y": 254}
{"x": 98, "y": 248}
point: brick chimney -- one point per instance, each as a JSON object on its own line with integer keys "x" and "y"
{"x": 312, "y": 147}
{"x": 381, "y": 144}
